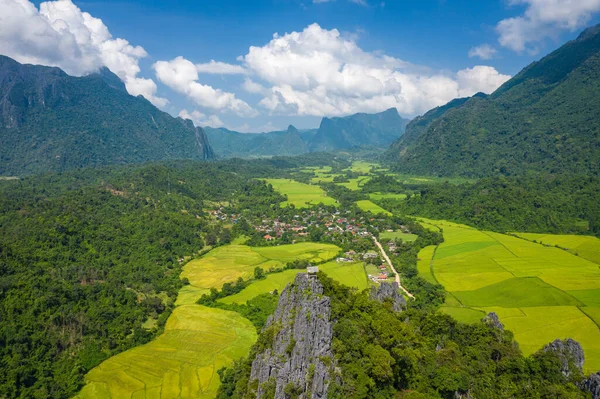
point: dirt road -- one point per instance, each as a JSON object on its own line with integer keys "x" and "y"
{"x": 389, "y": 262}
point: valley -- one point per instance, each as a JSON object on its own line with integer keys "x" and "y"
{"x": 540, "y": 292}
{"x": 194, "y": 247}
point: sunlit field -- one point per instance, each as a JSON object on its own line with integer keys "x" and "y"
{"x": 369, "y": 206}
{"x": 199, "y": 340}
{"x": 181, "y": 363}
{"x": 350, "y": 274}
{"x": 299, "y": 194}
{"x": 541, "y": 293}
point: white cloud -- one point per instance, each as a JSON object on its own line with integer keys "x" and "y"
{"x": 479, "y": 79}
{"x": 484, "y": 51}
{"x": 220, "y": 68}
{"x": 201, "y": 119}
{"x": 60, "y": 34}
{"x": 320, "y": 73}
{"x": 252, "y": 87}
{"x": 182, "y": 76}
{"x": 542, "y": 19}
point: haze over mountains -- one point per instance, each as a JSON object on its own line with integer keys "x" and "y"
{"x": 50, "y": 121}
{"x": 546, "y": 118}
{"x": 375, "y": 130}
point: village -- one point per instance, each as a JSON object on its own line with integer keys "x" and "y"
{"x": 353, "y": 232}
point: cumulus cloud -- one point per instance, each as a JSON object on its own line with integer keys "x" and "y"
{"x": 201, "y": 119}
{"x": 484, "y": 51}
{"x": 182, "y": 76}
{"x": 483, "y": 79}
{"x": 542, "y": 19}
{"x": 320, "y": 73}
{"x": 60, "y": 34}
{"x": 220, "y": 68}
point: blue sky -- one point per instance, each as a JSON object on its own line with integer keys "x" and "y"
{"x": 369, "y": 55}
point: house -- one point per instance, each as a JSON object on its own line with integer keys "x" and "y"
{"x": 370, "y": 255}
{"x": 312, "y": 270}
{"x": 269, "y": 238}
{"x": 383, "y": 276}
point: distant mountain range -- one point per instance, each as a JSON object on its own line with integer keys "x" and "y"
{"x": 374, "y": 130}
{"x": 546, "y": 118}
{"x": 50, "y": 121}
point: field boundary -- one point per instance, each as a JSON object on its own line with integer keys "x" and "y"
{"x": 588, "y": 316}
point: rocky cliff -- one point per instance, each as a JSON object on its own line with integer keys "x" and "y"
{"x": 592, "y": 385}
{"x": 389, "y": 292}
{"x": 294, "y": 357}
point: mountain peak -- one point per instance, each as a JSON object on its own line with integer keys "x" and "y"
{"x": 292, "y": 129}
{"x": 589, "y": 32}
{"x": 110, "y": 79}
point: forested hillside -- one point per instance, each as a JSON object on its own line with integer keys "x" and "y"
{"x": 546, "y": 118}
{"x": 548, "y": 203}
{"x": 90, "y": 261}
{"x": 50, "y": 121}
{"x": 230, "y": 144}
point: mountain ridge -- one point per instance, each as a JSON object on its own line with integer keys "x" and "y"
{"x": 544, "y": 119}
{"x": 339, "y": 133}
{"x": 50, "y": 121}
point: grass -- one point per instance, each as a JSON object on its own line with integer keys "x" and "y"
{"x": 517, "y": 292}
{"x": 392, "y": 235}
{"x": 362, "y": 166}
{"x": 424, "y": 263}
{"x": 350, "y": 274}
{"x": 464, "y": 315}
{"x": 368, "y": 206}
{"x": 537, "y": 326}
{"x": 380, "y": 196}
{"x": 196, "y": 343}
{"x": 355, "y": 184}
{"x": 228, "y": 263}
{"x": 299, "y": 194}
{"x": 585, "y": 246}
{"x": 540, "y": 293}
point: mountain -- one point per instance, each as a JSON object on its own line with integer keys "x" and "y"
{"x": 373, "y": 130}
{"x": 359, "y": 130}
{"x": 50, "y": 121}
{"x": 545, "y": 119}
{"x": 229, "y": 144}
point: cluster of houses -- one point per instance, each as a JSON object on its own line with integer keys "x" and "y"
{"x": 300, "y": 223}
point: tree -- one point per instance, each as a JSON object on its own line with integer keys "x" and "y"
{"x": 259, "y": 273}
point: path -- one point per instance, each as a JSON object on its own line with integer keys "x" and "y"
{"x": 387, "y": 259}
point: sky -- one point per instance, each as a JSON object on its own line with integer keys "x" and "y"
{"x": 260, "y": 65}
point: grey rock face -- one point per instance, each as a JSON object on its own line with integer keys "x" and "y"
{"x": 389, "y": 291}
{"x": 492, "y": 320}
{"x": 296, "y": 356}
{"x": 592, "y": 385}
{"x": 570, "y": 353}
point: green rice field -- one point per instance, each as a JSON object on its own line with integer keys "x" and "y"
{"x": 350, "y": 274}
{"x": 540, "y": 293}
{"x": 299, "y": 194}
{"x": 585, "y": 246}
{"x": 392, "y": 235}
{"x": 424, "y": 263}
{"x": 369, "y": 206}
{"x": 362, "y": 166}
{"x": 196, "y": 343}
{"x": 198, "y": 340}
{"x": 355, "y": 184}
{"x": 228, "y": 263}
{"x": 380, "y": 196}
